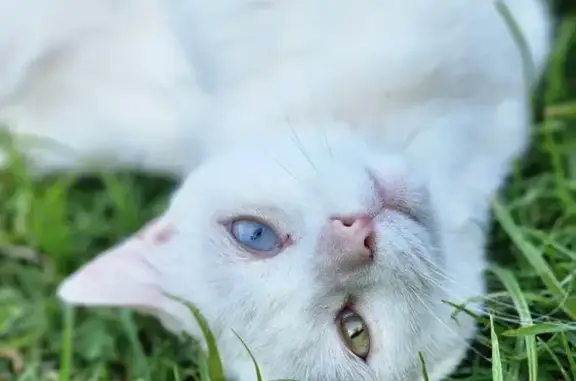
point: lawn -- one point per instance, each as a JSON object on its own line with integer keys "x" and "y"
{"x": 50, "y": 227}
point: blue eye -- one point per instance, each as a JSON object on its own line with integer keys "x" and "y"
{"x": 255, "y": 235}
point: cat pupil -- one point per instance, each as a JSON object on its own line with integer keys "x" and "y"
{"x": 357, "y": 331}
{"x": 257, "y": 234}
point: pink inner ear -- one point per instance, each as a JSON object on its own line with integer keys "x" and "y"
{"x": 121, "y": 276}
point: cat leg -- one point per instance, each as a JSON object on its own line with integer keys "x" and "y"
{"x": 151, "y": 132}
{"x": 113, "y": 92}
{"x": 31, "y": 29}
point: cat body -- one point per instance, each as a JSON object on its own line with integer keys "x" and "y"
{"x": 118, "y": 69}
{"x": 312, "y": 123}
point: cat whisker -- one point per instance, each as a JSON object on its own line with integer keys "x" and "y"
{"x": 473, "y": 349}
{"x": 438, "y": 278}
{"x": 456, "y": 334}
{"x": 505, "y": 317}
{"x": 501, "y": 316}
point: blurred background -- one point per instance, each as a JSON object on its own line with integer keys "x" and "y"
{"x": 48, "y": 228}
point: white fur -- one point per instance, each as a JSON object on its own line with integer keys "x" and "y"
{"x": 277, "y": 108}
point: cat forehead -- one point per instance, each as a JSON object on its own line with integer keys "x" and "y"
{"x": 282, "y": 170}
{"x": 298, "y": 146}
{"x": 302, "y": 155}
{"x": 270, "y": 183}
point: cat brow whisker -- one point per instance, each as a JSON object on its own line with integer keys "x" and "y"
{"x": 284, "y": 168}
{"x": 299, "y": 144}
{"x": 410, "y": 139}
{"x": 327, "y": 143}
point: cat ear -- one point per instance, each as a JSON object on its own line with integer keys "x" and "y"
{"x": 122, "y": 276}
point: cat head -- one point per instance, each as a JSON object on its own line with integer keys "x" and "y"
{"x": 326, "y": 257}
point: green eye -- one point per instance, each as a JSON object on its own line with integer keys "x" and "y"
{"x": 354, "y": 333}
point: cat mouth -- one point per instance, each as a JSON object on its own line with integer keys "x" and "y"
{"x": 370, "y": 244}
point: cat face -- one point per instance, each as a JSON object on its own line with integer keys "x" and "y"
{"x": 325, "y": 257}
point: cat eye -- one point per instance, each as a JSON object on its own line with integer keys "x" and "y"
{"x": 255, "y": 235}
{"x": 354, "y": 333}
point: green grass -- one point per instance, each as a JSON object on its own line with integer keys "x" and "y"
{"x": 50, "y": 227}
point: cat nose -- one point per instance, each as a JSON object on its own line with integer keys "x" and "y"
{"x": 353, "y": 240}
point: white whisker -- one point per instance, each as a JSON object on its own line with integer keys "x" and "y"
{"x": 299, "y": 144}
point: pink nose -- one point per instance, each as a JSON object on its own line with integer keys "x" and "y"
{"x": 352, "y": 240}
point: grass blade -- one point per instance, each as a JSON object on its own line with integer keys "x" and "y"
{"x": 539, "y": 329}
{"x": 497, "y": 373}
{"x": 214, "y": 362}
{"x": 66, "y": 353}
{"x": 521, "y": 43}
{"x": 258, "y": 373}
{"x": 510, "y": 283}
{"x": 535, "y": 258}
{"x": 140, "y": 360}
{"x": 424, "y": 370}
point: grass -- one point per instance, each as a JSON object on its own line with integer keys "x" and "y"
{"x": 50, "y": 227}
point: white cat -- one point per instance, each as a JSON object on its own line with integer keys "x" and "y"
{"x": 338, "y": 159}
